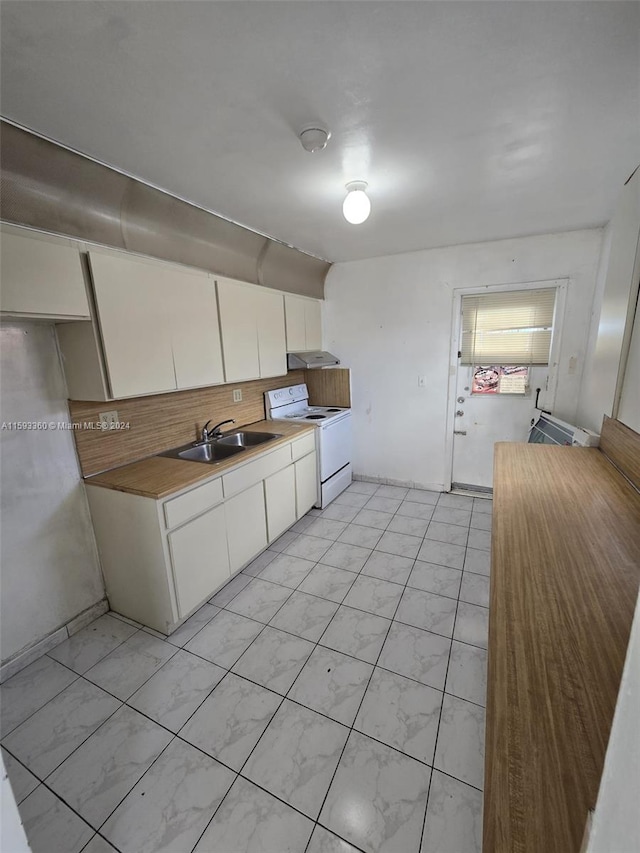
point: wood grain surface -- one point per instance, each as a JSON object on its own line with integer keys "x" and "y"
{"x": 164, "y": 421}
{"x": 330, "y": 386}
{"x": 621, "y": 445}
{"x": 160, "y": 476}
{"x": 565, "y": 576}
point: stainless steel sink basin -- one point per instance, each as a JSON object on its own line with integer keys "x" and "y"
{"x": 211, "y": 452}
{"x": 220, "y": 448}
{"x": 246, "y": 439}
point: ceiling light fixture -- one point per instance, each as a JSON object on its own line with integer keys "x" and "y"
{"x": 314, "y": 139}
{"x": 356, "y": 206}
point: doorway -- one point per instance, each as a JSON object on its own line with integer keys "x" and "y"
{"x": 499, "y": 344}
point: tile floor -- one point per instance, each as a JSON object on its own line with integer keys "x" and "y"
{"x": 330, "y": 698}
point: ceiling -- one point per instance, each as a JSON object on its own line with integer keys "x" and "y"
{"x": 471, "y": 121}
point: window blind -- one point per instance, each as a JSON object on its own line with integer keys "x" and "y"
{"x": 507, "y": 327}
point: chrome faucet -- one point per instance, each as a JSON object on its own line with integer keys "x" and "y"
{"x": 214, "y": 432}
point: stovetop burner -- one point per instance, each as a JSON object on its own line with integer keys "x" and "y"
{"x": 333, "y": 410}
{"x": 315, "y": 417}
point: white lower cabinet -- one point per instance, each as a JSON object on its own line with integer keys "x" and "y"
{"x": 162, "y": 559}
{"x": 280, "y": 500}
{"x": 306, "y": 477}
{"x": 200, "y": 558}
{"x": 246, "y": 526}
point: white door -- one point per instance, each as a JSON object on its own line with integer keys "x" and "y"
{"x": 479, "y": 420}
{"x": 485, "y": 419}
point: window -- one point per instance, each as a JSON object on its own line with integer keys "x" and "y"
{"x": 507, "y": 327}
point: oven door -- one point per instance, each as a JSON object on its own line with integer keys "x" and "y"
{"x": 335, "y": 447}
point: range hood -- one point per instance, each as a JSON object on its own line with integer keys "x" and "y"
{"x": 310, "y": 358}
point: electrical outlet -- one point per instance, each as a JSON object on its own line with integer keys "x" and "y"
{"x": 108, "y": 418}
{"x": 237, "y": 395}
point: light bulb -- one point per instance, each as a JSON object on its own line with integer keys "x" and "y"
{"x": 356, "y": 206}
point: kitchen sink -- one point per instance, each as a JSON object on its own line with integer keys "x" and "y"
{"x": 220, "y": 448}
{"x": 246, "y": 439}
{"x": 211, "y": 452}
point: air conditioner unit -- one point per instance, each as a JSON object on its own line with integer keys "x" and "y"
{"x": 550, "y": 430}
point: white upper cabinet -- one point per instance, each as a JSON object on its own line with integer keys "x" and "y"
{"x": 41, "y": 277}
{"x": 303, "y": 323}
{"x": 253, "y": 332}
{"x": 195, "y": 333}
{"x": 272, "y": 346}
{"x": 132, "y": 298}
{"x": 158, "y": 324}
{"x": 239, "y": 330}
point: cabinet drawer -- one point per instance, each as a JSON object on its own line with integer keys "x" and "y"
{"x": 186, "y": 506}
{"x": 304, "y": 445}
{"x": 254, "y": 472}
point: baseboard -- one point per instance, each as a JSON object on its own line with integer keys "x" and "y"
{"x": 41, "y": 647}
{"x": 408, "y": 484}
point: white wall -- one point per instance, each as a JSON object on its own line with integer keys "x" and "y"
{"x": 613, "y": 309}
{"x": 616, "y": 822}
{"x": 390, "y": 320}
{"x": 50, "y": 569}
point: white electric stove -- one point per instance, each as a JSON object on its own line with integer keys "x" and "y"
{"x": 333, "y": 436}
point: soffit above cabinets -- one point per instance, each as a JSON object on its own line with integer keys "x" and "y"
{"x": 471, "y": 121}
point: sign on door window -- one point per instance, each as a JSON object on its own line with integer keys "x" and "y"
{"x": 500, "y": 379}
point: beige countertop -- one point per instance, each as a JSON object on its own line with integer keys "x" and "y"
{"x": 564, "y": 579}
{"x": 160, "y": 476}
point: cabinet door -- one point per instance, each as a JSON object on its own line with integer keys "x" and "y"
{"x": 294, "y": 308}
{"x": 131, "y": 299}
{"x": 239, "y": 330}
{"x": 200, "y": 559}
{"x": 41, "y": 278}
{"x": 313, "y": 324}
{"x": 306, "y": 484}
{"x": 280, "y": 496}
{"x": 195, "y": 331}
{"x": 272, "y": 342}
{"x": 246, "y": 526}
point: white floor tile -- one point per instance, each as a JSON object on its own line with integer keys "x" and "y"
{"x": 177, "y": 689}
{"x": 172, "y": 804}
{"x": 332, "y": 684}
{"x": 251, "y": 820}
{"x": 467, "y": 676}
{"x": 30, "y": 689}
{"x": 454, "y": 817}
{"x": 101, "y": 772}
{"x": 389, "y": 788}
{"x": 231, "y": 721}
{"x": 401, "y": 713}
{"x": 297, "y": 756}
{"x": 460, "y": 748}
{"x": 43, "y": 741}
{"x": 51, "y": 826}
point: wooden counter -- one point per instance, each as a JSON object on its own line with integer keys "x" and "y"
{"x": 160, "y": 476}
{"x": 564, "y": 581}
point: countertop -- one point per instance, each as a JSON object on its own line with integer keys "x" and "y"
{"x": 565, "y": 572}
{"x": 160, "y": 476}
